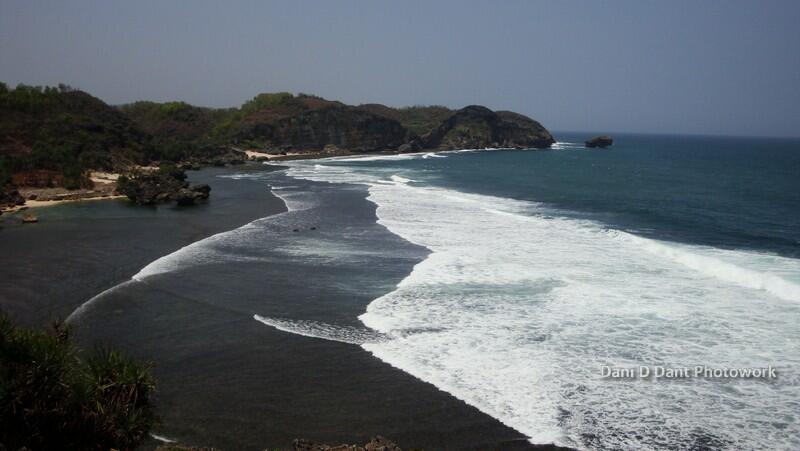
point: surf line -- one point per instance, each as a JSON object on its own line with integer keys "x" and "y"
{"x": 144, "y": 273}
{"x": 325, "y": 331}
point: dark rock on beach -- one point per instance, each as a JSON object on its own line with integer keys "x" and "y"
{"x": 599, "y": 141}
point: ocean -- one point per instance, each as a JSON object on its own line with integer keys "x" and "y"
{"x": 508, "y": 279}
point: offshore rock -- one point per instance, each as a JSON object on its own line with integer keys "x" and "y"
{"x": 599, "y": 141}
{"x": 149, "y": 188}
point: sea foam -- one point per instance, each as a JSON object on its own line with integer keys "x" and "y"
{"x": 519, "y": 307}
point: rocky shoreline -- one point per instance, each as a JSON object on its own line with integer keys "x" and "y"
{"x": 142, "y": 187}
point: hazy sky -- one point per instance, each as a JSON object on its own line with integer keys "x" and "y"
{"x": 717, "y": 67}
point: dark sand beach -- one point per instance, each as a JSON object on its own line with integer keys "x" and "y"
{"x": 224, "y": 379}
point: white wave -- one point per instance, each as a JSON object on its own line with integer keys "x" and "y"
{"x": 433, "y": 155}
{"x": 161, "y": 438}
{"x": 243, "y": 176}
{"x": 382, "y": 157}
{"x": 316, "y": 329}
{"x": 561, "y": 145}
{"x": 198, "y": 253}
{"x": 402, "y": 180}
{"x": 522, "y": 308}
{"x": 716, "y": 267}
{"x": 88, "y": 304}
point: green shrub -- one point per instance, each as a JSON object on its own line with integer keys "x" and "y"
{"x": 50, "y": 398}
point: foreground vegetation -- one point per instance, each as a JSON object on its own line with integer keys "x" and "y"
{"x": 53, "y": 398}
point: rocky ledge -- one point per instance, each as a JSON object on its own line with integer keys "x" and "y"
{"x": 163, "y": 185}
{"x": 599, "y": 141}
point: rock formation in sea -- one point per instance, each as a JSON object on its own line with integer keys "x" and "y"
{"x": 602, "y": 141}
{"x": 164, "y": 185}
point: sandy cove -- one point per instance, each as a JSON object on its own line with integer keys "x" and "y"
{"x": 105, "y": 186}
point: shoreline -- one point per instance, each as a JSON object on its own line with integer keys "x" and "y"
{"x": 30, "y": 204}
{"x": 106, "y": 182}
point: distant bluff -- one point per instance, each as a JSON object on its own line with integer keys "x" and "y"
{"x": 309, "y": 123}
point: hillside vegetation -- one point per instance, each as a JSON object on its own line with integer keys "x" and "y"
{"x": 69, "y": 132}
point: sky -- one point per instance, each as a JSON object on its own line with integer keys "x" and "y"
{"x": 695, "y": 67}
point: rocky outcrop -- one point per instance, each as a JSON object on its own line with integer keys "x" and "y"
{"x": 411, "y": 146}
{"x": 160, "y": 186}
{"x": 476, "y": 127}
{"x": 10, "y": 197}
{"x": 376, "y": 444}
{"x": 192, "y": 195}
{"x": 599, "y": 141}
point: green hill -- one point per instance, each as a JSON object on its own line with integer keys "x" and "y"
{"x": 68, "y": 132}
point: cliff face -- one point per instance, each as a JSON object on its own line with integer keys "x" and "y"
{"x": 478, "y": 127}
{"x": 342, "y": 127}
{"x": 418, "y": 120}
